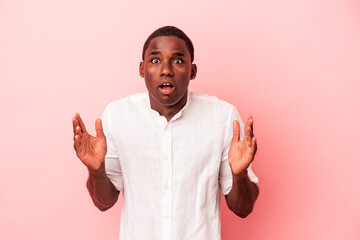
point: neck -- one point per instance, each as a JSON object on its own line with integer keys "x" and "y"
{"x": 169, "y": 111}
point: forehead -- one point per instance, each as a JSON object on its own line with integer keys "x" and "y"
{"x": 166, "y": 44}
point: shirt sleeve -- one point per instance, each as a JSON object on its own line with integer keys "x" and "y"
{"x": 112, "y": 163}
{"x": 225, "y": 175}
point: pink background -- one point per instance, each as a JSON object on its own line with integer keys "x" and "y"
{"x": 293, "y": 65}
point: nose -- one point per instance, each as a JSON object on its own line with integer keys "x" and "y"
{"x": 166, "y": 69}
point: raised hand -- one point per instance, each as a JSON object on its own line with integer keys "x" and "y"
{"x": 90, "y": 150}
{"x": 242, "y": 153}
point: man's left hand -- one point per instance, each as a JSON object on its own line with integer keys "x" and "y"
{"x": 242, "y": 152}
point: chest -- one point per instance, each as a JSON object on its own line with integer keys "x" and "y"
{"x": 186, "y": 148}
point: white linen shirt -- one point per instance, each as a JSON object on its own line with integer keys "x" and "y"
{"x": 170, "y": 172}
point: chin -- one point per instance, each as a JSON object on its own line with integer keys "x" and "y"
{"x": 168, "y": 100}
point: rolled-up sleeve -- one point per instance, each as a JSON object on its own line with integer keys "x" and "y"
{"x": 225, "y": 174}
{"x": 112, "y": 164}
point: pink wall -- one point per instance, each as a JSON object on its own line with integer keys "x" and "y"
{"x": 293, "y": 65}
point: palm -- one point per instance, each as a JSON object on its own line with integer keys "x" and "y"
{"x": 92, "y": 151}
{"x": 242, "y": 152}
{"x": 89, "y": 149}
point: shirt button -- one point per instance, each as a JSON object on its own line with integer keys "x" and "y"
{"x": 166, "y": 186}
{"x": 166, "y": 157}
{"x": 166, "y": 127}
{"x": 166, "y": 216}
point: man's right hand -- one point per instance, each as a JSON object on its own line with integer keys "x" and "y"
{"x": 90, "y": 150}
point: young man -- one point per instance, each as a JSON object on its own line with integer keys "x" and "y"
{"x": 169, "y": 151}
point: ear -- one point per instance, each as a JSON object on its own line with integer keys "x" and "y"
{"x": 141, "y": 69}
{"x": 193, "y": 71}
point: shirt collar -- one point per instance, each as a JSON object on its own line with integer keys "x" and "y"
{"x": 156, "y": 114}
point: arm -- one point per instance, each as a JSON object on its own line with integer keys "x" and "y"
{"x": 102, "y": 191}
{"x": 241, "y": 198}
{"x": 91, "y": 151}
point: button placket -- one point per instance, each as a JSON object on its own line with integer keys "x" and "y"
{"x": 167, "y": 177}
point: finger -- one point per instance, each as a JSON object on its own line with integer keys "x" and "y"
{"x": 236, "y": 131}
{"x": 250, "y": 122}
{"x": 249, "y": 128}
{"x": 81, "y": 123}
{"x": 253, "y": 145}
{"x": 248, "y": 133}
{"x": 248, "y": 141}
{"x": 77, "y": 143}
{"x": 78, "y": 131}
{"x": 99, "y": 128}
{"x": 75, "y": 123}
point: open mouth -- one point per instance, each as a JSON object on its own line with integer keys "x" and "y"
{"x": 166, "y": 85}
{"x": 166, "y": 88}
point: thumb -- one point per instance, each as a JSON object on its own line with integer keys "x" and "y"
{"x": 236, "y": 131}
{"x": 99, "y": 128}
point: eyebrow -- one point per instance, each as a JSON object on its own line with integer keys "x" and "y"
{"x": 155, "y": 53}
{"x": 178, "y": 54}
{"x": 175, "y": 54}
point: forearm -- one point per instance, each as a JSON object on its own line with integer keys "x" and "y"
{"x": 102, "y": 191}
{"x": 242, "y": 197}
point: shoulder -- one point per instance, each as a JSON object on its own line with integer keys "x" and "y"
{"x": 130, "y": 107}
{"x": 134, "y": 100}
{"x": 203, "y": 107}
{"x": 208, "y": 102}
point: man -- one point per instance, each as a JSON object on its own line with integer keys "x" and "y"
{"x": 169, "y": 151}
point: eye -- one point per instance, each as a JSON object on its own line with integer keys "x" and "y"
{"x": 155, "y": 60}
{"x": 177, "y": 61}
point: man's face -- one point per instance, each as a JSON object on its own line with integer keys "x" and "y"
{"x": 167, "y": 70}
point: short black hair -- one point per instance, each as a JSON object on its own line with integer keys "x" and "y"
{"x": 170, "y": 31}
